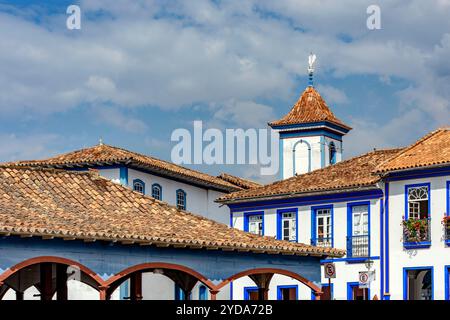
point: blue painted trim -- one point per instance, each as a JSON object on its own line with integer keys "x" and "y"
{"x": 350, "y": 286}
{"x": 349, "y": 260}
{"x": 350, "y": 206}
{"x": 247, "y": 291}
{"x": 279, "y": 222}
{"x": 185, "y": 198}
{"x": 231, "y": 290}
{"x": 418, "y": 174}
{"x": 123, "y": 174}
{"x": 314, "y": 226}
{"x": 253, "y": 213}
{"x": 386, "y": 241}
{"x": 231, "y": 219}
{"x": 417, "y": 245}
{"x": 381, "y": 250}
{"x": 447, "y": 282}
{"x": 310, "y": 133}
{"x": 307, "y": 200}
{"x": 405, "y": 276}
{"x": 303, "y": 125}
{"x": 157, "y": 185}
{"x": 141, "y": 182}
{"x": 322, "y": 151}
{"x": 202, "y": 293}
{"x": 281, "y": 157}
{"x": 293, "y": 155}
{"x": 448, "y": 198}
{"x": 407, "y": 187}
{"x": 279, "y": 295}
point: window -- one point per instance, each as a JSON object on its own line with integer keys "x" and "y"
{"x": 251, "y": 293}
{"x": 156, "y": 191}
{"x": 287, "y": 225}
{"x": 181, "y": 199}
{"x": 322, "y": 232}
{"x": 354, "y": 292}
{"x": 202, "y": 293}
{"x": 418, "y": 201}
{"x": 418, "y": 283}
{"x": 254, "y": 223}
{"x": 332, "y": 155}
{"x": 358, "y": 241}
{"x": 139, "y": 186}
{"x": 287, "y": 293}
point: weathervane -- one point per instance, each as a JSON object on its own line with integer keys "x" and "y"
{"x": 311, "y": 61}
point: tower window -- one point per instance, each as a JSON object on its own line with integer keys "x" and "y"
{"x": 332, "y": 153}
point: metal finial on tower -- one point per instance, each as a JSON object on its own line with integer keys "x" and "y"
{"x": 311, "y": 61}
{"x": 100, "y": 141}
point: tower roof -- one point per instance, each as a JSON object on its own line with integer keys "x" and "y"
{"x": 310, "y": 108}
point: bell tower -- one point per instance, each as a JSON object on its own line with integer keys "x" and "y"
{"x": 310, "y": 134}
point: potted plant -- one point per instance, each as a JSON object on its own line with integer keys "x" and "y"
{"x": 415, "y": 230}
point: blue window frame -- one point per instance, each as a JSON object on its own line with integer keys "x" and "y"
{"x": 287, "y": 224}
{"x": 332, "y": 155}
{"x": 157, "y": 191}
{"x": 430, "y": 281}
{"x": 248, "y": 291}
{"x": 281, "y": 291}
{"x": 139, "y": 186}
{"x": 447, "y": 282}
{"x": 418, "y": 207}
{"x": 202, "y": 293}
{"x": 322, "y": 226}
{"x": 358, "y": 229}
{"x": 364, "y": 295}
{"x": 254, "y": 222}
{"x": 447, "y": 226}
{"x": 181, "y": 199}
{"x": 418, "y": 201}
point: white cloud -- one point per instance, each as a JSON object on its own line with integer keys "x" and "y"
{"x": 332, "y": 95}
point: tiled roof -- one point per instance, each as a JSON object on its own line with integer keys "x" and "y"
{"x": 103, "y": 154}
{"x": 310, "y": 108}
{"x": 355, "y": 173}
{"x": 51, "y": 203}
{"x": 431, "y": 150}
{"x": 240, "y": 182}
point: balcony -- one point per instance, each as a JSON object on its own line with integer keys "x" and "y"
{"x": 416, "y": 233}
{"x": 358, "y": 246}
{"x": 322, "y": 242}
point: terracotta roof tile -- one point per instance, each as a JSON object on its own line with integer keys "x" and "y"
{"x": 349, "y": 174}
{"x": 240, "y": 182}
{"x": 309, "y": 108}
{"x": 82, "y": 205}
{"x": 105, "y": 154}
{"x": 433, "y": 149}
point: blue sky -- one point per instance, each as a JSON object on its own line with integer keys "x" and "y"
{"x": 137, "y": 70}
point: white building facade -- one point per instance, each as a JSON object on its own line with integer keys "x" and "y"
{"x": 390, "y": 218}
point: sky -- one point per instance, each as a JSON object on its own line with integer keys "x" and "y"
{"x": 138, "y": 70}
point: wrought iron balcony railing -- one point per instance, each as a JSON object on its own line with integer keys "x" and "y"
{"x": 358, "y": 246}
{"x": 322, "y": 242}
{"x": 416, "y": 230}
